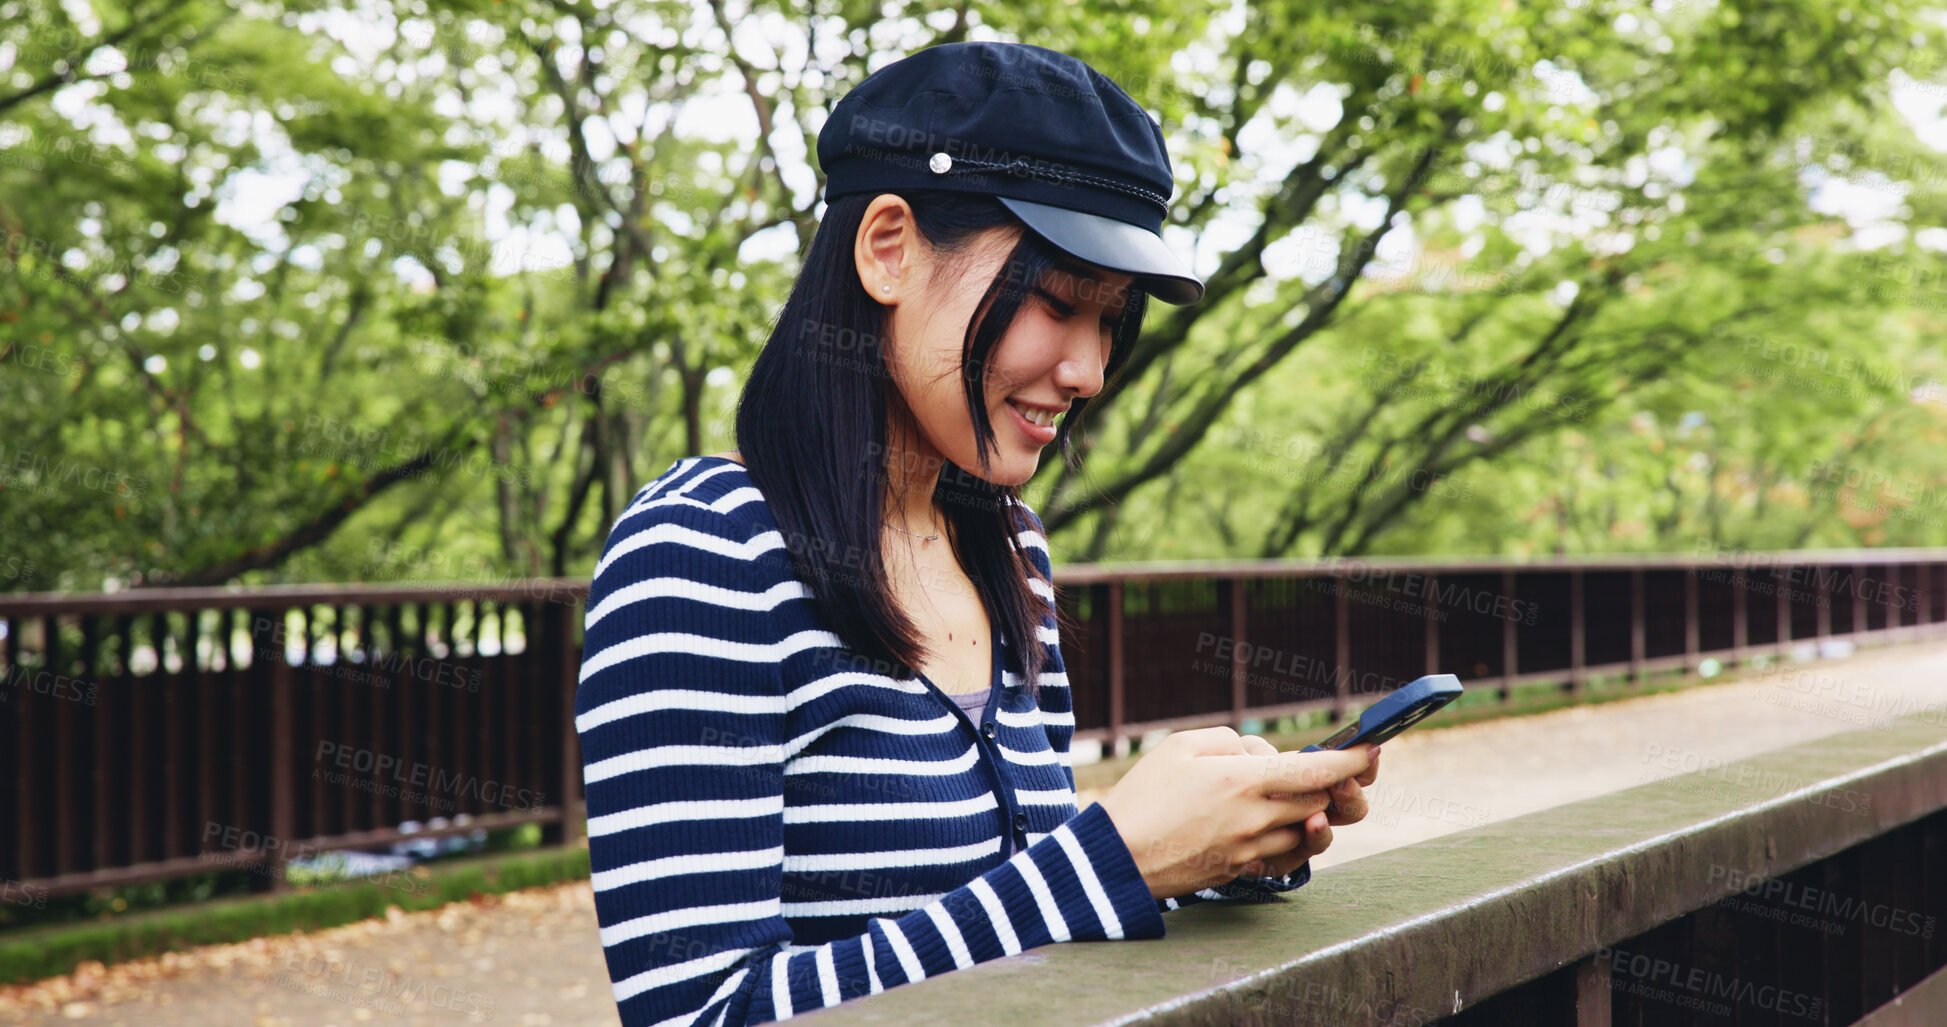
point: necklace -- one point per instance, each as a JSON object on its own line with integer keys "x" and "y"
{"x": 922, "y": 538}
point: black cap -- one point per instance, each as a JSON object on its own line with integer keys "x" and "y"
{"x": 1060, "y": 145}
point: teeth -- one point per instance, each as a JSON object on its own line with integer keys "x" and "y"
{"x": 1043, "y": 418}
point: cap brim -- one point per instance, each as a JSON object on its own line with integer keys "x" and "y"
{"x": 1113, "y": 245}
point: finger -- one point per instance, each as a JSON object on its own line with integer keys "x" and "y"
{"x": 1318, "y": 836}
{"x": 1349, "y": 804}
{"x": 1310, "y": 771}
{"x": 1371, "y": 772}
{"x": 1271, "y": 846}
{"x": 1291, "y": 810}
{"x": 1255, "y": 745}
{"x": 1208, "y": 741}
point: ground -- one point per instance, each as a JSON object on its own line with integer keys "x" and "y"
{"x": 533, "y": 957}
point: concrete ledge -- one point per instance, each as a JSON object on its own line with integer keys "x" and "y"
{"x": 1423, "y": 931}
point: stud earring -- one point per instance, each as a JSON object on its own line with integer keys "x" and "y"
{"x": 885, "y": 288}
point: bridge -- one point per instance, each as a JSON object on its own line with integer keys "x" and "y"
{"x": 139, "y": 720}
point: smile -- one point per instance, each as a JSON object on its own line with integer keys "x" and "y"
{"x": 1035, "y": 415}
{"x": 1038, "y": 424}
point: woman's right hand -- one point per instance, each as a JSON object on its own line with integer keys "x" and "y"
{"x": 1200, "y": 807}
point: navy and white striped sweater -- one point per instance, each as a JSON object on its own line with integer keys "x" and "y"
{"x": 775, "y": 826}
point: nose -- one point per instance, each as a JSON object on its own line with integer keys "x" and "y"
{"x": 1083, "y": 356}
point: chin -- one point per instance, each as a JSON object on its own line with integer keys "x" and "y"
{"x": 1006, "y": 469}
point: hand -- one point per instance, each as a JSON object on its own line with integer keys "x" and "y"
{"x": 1205, "y": 804}
{"x": 1348, "y": 806}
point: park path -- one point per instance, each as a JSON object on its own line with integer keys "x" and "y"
{"x": 532, "y": 958}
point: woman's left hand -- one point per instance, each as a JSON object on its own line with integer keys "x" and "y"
{"x": 1348, "y": 806}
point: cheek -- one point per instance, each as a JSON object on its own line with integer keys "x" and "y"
{"x": 1019, "y": 360}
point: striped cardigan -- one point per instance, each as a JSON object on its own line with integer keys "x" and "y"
{"x": 775, "y": 825}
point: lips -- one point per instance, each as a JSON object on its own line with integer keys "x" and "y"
{"x": 1038, "y": 434}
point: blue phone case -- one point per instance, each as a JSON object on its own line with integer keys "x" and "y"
{"x": 1408, "y": 705}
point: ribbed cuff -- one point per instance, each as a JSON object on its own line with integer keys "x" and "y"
{"x": 1116, "y": 869}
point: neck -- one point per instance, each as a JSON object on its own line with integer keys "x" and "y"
{"x": 912, "y": 469}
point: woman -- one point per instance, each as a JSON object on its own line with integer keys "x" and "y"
{"x": 823, "y": 712}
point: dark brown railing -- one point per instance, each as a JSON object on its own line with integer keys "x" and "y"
{"x": 1287, "y": 637}
{"x": 160, "y": 733}
{"x": 156, "y": 734}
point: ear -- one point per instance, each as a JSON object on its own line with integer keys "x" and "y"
{"x": 887, "y": 247}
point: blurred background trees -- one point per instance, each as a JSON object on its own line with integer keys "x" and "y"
{"x": 319, "y": 291}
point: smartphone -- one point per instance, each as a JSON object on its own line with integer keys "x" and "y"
{"x": 1408, "y": 705}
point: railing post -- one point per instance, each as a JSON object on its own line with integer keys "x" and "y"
{"x": 1638, "y": 630}
{"x": 1342, "y": 650}
{"x": 1690, "y": 614}
{"x": 1237, "y": 642}
{"x": 1593, "y": 1001}
{"x": 569, "y": 677}
{"x": 1578, "y": 639}
{"x": 1859, "y": 619}
{"x": 283, "y": 817}
{"x": 1784, "y": 610}
{"x": 1740, "y": 618}
{"x": 1432, "y": 624}
{"x": 66, "y": 802}
{"x": 1510, "y": 650}
{"x": 1117, "y": 744}
{"x": 1936, "y": 582}
{"x": 1823, "y": 580}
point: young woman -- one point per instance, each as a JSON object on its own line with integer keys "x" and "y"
{"x": 823, "y": 711}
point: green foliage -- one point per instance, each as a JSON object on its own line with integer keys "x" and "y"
{"x": 426, "y": 291}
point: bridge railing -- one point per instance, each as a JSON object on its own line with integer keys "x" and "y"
{"x": 1191, "y": 644}
{"x": 1803, "y": 886}
{"x": 151, "y": 734}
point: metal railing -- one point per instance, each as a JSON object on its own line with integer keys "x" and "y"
{"x": 1186, "y": 645}
{"x": 165, "y": 733}
{"x": 160, "y": 733}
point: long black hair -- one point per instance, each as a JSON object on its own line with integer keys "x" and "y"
{"x": 812, "y": 426}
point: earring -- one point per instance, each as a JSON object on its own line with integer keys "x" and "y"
{"x": 885, "y": 288}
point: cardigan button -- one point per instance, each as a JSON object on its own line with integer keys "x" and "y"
{"x": 1020, "y": 821}
{"x": 988, "y": 730}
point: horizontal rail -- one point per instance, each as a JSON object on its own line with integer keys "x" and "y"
{"x": 1417, "y": 934}
{"x": 576, "y": 589}
{"x": 290, "y": 597}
